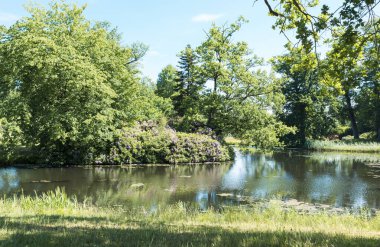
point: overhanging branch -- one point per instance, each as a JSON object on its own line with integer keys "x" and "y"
{"x": 271, "y": 11}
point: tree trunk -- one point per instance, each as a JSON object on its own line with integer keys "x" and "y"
{"x": 377, "y": 113}
{"x": 351, "y": 115}
{"x": 212, "y": 110}
{"x": 302, "y": 124}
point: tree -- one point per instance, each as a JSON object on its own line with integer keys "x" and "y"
{"x": 344, "y": 71}
{"x": 242, "y": 99}
{"x": 190, "y": 82}
{"x": 372, "y": 63}
{"x": 369, "y": 96}
{"x": 184, "y": 86}
{"x": 220, "y": 90}
{"x": 167, "y": 82}
{"x": 309, "y": 23}
{"x": 309, "y": 103}
{"x": 347, "y": 28}
{"x": 74, "y": 85}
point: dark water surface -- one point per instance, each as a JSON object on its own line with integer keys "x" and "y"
{"x": 349, "y": 180}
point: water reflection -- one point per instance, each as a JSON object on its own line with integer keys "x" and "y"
{"x": 330, "y": 178}
{"x": 8, "y": 180}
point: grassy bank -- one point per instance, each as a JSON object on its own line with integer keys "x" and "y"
{"x": 344, "y": 145}
{"x": 55, "y": 220}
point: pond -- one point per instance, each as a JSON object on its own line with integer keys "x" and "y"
{"x": 341, "y": 180}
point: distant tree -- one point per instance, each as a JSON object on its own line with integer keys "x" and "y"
{"x": 190, "y": 82}
{"x": 167, "y": 82}
{"x": 344, "y": 72}
{"x": 369, "y": 95}
{"x": 347, "y": 28}
{"x": 242, "y": 99}
{"x": 309, "y": 103}
{"x": 187, "y": 92}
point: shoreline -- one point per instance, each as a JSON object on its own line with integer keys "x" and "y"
{"x": 54, "y": 219}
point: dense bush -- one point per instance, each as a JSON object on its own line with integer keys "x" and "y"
{"x": 196, "y": 148}
{"x": 153, "y": 143}
{"x": 368, "y": 135}
{"x": 10, "y": 138}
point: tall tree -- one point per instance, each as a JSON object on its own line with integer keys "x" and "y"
{"x": 167, "y": 82}
{"x": 241, "y": 96}
{"x": 344, "y": 26}
{"x": 183, "y": 85}
{"x": 369, "y": 95}
{"x": 309, "y": 103}
{"x": 74, "y": 83}
{"x": 344, "y": 70}
{"x": 190, "y": 81}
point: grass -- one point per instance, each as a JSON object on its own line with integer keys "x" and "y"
{"x": 232, "y": 141}
{"x": 344, "y": 145}
{"x": 53, "y": 219}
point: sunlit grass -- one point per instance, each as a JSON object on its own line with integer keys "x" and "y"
{"x": 348, "y": 145}
{"x": 232, "y": 141}
{"x": 55, "y": 219}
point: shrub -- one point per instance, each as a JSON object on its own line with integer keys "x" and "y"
{"x": 10, "y": 138}
{"x": 196, "y": 148}
{"x": 368, "y": 135}
{"x": 349, "y": 137}
{"x": 151, "y": 143}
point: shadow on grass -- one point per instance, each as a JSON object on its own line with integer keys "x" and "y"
{"x": 97, "y": 231}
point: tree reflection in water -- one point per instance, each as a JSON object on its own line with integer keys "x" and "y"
{"x": 332, "y": 178}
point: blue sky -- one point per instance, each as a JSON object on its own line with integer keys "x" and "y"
{"x": 167, "y": 26}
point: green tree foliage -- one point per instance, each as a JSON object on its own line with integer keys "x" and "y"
{"x": 369, "y": 95}
{"x": 221, "y": 89}
{"x": 343, "y": 71}
{"x": 167, "y": 81}
{"x": 71, "y": 83}
{"x": 310, "y": 19}
{"x": 187, "y": 96}
{"x": 243, "y": 99}
{"x": 348, "y": 29}
{"x": 310, "y": 106}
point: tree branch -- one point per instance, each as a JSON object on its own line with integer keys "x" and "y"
{"x": 271, "y": 11}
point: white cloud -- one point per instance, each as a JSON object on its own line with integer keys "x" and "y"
{"x": 206, "y": 17}
{"x": 7, "y": 18}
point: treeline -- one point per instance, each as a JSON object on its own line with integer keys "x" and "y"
{"x": 70, "y": 93}
{"x": 219, "y": 86}
{"x": 335, "y": 97}
{"x": 334, "y": 94}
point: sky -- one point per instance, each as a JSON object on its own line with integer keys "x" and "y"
{"x": 167, "y": 26}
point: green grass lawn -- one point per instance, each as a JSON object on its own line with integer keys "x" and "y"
{"x": 55, "y": 220}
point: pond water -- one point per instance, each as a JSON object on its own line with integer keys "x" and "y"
{"x": 341, "y": 180}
